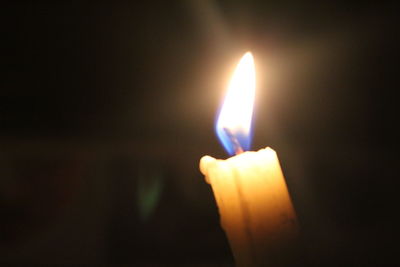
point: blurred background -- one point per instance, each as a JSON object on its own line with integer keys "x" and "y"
{"x": 106, "y": 109}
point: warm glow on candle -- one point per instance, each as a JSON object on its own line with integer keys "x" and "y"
{"x": 234, "y": 120}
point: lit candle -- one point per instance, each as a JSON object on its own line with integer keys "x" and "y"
{"x": 250, "y": 190}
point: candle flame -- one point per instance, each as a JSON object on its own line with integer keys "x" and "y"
{"x": 233, "y": 125}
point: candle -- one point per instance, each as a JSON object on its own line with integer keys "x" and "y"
{"x": 256, "y": 212}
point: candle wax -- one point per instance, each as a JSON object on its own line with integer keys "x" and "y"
{"x": 254, "y": 204}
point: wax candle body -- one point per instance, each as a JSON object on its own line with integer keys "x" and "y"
{"x": 254, "y": 204}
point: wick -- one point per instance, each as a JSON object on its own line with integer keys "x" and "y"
{"x": 238, "y": 149}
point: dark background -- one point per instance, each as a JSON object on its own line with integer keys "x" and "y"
{"x": 106, "y": 109}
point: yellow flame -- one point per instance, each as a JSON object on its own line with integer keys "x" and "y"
{"x": 237, "y": 109}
